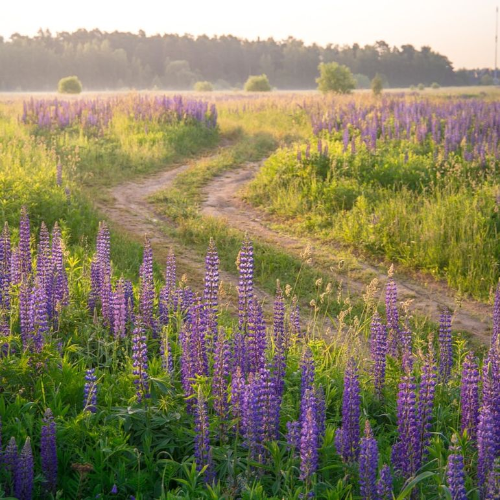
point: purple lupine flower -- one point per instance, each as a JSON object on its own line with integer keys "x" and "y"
{"x": 24, "y": 313}
{"x": 347, "y": 437}
{"x": 60, "y": 278}
{"x": 196, "y": 340}
{"x": 240, "y": 356}
{"x": 378, "y": 348}
{"x": 384, "y": 484}
{"x": 406, "y": 452}
{"x": 251, "y": 421}
{"x": 237, "y": 393}
{"x": 469, "y": 396}
{"x": 256, "y": 341}
{"x": 90, "y": 391}
{"x": 10, "y": 462}
{"x": 455, "y": 474}
{"x": 293, "y": 434}
{"x": 103, "y": 247}
{"x": 202, "y": 448}
{"x": 486, "y": 443}
{"x": 368, "y": 465}
{"x": 119, "y": 306}
{"x": 5, "y": 281}
{"x": 43, "y": 258}
{"x": 24, "y": 246}
{"x": 220, "y": 377}
{"x": 129, "y": 300}
{"x": 493, "y": 485}
{"x": 425, "y": 406}
{"x": 24, "y": 474}
{"x": 495, "y": 337}
{"x": 48, "y": 451}
{"x": 39, "y": 320}
{"x": 170, "y": 272}
{"x": 445, "y": 345}
{"x": 245, "y": 284}
{"x": 114, "y": 490}
{"x": 147, "y": 290}
{"x": 309, "y": 437}
{"x": 280, "y": 342}
{"x": 391, "y": 299}
{"x": 211, "y": 292}
{"x": 270, "y": 404}
{"x": 140, "y": 362}
{"x": 5, "y": 268}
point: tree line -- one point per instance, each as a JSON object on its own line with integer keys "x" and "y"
{"x": 126, "y": 60}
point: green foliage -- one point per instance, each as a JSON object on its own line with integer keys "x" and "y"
{"x": 377, "y": 85}
{"x": 435, "y": 85}
{"x": 335, "y": 78}
{"x": 421, "y": 86}
{"x": 203, "y": 87}
{"x": 69, "y": 85}
{"x": 405, "y": 210}
{"x": 257, "y": 83}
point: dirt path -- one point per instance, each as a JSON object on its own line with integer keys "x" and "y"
{"x": 126, "y": 206}
{"x": 429, "y": 298}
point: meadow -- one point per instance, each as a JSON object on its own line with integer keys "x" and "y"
{"x": 256, "y": 376}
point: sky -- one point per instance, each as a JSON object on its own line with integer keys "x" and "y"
{"x": 463, "y": 30}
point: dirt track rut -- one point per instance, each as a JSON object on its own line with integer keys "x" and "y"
{"x": 222, "y": 199}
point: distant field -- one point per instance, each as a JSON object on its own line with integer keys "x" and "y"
{"x": 254, "y": 363}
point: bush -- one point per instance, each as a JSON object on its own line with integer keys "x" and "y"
{"x": 335, "y": 78}
{"x": 435, "y": 85}
{"x": 257, "y": 83}
{"x": 421, "y": 86}
{"x": 69, "y": 85}
{"x": 377, "y": 85}
{"x": 203, "y": 87}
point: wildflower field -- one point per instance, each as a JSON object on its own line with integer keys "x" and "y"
{"x": 198, "y": 362}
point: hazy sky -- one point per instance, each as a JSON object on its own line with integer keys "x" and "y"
{"x": 464, "y": 30}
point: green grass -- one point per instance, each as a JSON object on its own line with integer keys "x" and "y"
{"x": 442, "y": 221}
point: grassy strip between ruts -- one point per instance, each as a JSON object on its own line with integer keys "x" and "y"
{"x": 180, "y": 203}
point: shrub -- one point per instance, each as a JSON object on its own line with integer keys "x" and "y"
{"x": 69, "y": 85}
{"x": 257, "y": 83}
{"x": 412, "y": 87}
{"x": 335, "y": 78}
{"x": 377, "y": 85}
{"x": 203, "y": 87}
{"x": 435, "y": 85}
{"x": 421, "y": 86}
